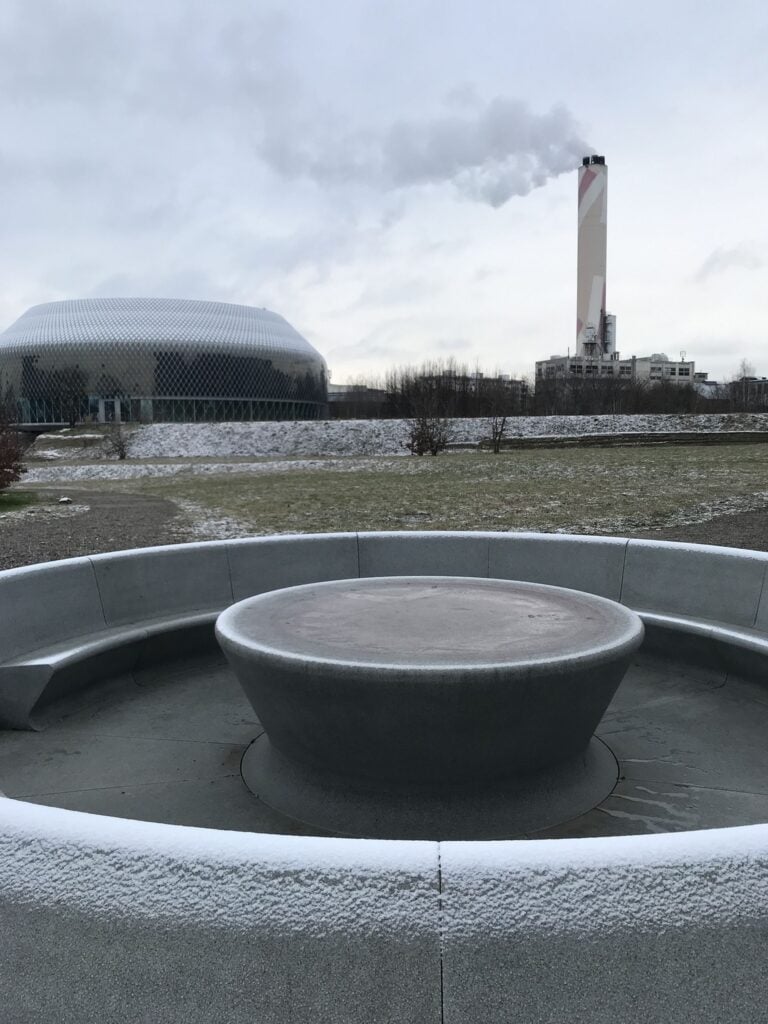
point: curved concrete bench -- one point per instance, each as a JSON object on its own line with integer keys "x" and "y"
{"x": 107, "y": 919}
{"x": 66, "y": 625}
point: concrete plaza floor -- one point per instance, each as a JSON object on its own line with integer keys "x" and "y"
{"x": 165, "y": 745}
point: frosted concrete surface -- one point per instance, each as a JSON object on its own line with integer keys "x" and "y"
{"x": 268, "y": 563}
{"x": 694, "y": 580}
{"x": 160, "y": 923}
{"x": 167, "y": 744}
{"x": 44, "y": 604}
{"x": 382, "y": 696}
{"x": 161, "y": 582}
{"x": 429, "y": 680}
{"x": 630, "y": 930}
{"x": 761, "y": 620}
{"x": 592, "y": 564}
{"x": 423, "y": 554}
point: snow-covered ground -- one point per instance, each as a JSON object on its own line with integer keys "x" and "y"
{"x": 325, "y": 438}
{"x": 131, "y": 470}
{"x": 388, "y": 437}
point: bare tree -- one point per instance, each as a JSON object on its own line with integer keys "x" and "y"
{"x": 741, "y": 389}
{"x": 497, "y": 425}
{"x": 116, "y": 442}
{"x": 428, "y": 434}
{"x": 499, "y": 402}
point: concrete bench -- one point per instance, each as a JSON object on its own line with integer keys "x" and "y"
{"x": 122, "y": 921}
{"x": 700, "y": 602}
{"x": 108, "y": 919}
{"x": 69, "y": 624}
{"x": 66, "y": 625}
{"x": 33, "y": 686}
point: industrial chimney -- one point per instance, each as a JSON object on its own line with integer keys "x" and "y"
{"x": 594, "y": 336}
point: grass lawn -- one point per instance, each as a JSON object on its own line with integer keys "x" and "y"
{"x": 10, "y": 500}
{"x": 580, "y": 490}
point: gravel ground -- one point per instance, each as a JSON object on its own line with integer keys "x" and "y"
{"x": 93, "y": 522}
{"x": 115, "y": 521}
{"x": 745, "y": 530}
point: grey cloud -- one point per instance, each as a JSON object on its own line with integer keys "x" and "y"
{"x": 144, "y": 57}
{"x": 147, "y": 149}
{"x": 452, "y": 345}
{"x": 366, "y": 349}
{"x": 130, "y": 118}
{"x": 463, "y": 97}
{"x": 744, "y": 256}
{"x": 492, "y": 152}
{"x": 65, "y": 51}
{"x": 182, "y": 283}
{"x": 397, "y": 339}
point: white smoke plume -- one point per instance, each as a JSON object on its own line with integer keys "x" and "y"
{"x": 490, "y": 153}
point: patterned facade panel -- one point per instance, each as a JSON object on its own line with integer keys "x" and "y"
{"x": 158, "y": 359}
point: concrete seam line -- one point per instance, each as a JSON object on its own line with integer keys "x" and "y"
{"x": 623, "y": 570}
{"x": 357, "y": 544}
{"x": 760, "y": 595}
{"x": 440, "y": 928}
{"x": 229, "y": 572}
{"x": 98, "y": 590}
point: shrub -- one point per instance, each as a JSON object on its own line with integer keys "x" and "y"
{"x": 11, "y": 467}
{"x": 428, "y": 434}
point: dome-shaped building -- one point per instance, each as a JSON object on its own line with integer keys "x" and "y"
{"x": 173, "y": 360}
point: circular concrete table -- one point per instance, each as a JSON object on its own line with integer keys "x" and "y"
{"x": 434, "y": 707}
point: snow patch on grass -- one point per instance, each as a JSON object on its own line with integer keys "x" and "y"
{"x": 388, "y": 437}
{"x": 201, "y": 524}
{"x": 45, "y": 512}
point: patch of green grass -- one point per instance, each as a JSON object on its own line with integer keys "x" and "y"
{"x": 579, "y": 490}
{"x": 11, "y": 499}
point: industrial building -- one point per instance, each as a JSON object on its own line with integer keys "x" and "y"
{"x": 174, "y": 360}
{"x": 596, "y": 356}
{"x": 653, "y": 369}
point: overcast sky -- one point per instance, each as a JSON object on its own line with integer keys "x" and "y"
{"x": 396, "y": 179}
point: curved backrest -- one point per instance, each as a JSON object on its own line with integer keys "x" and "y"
{"x": 149, "y": 583}
{"x": 42, "y": 605}
{"x": 592, "y": 564}
{"x": 695, "y": 580}
{"x": 45, "y": 604}
{"x": 258, "y": 564}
